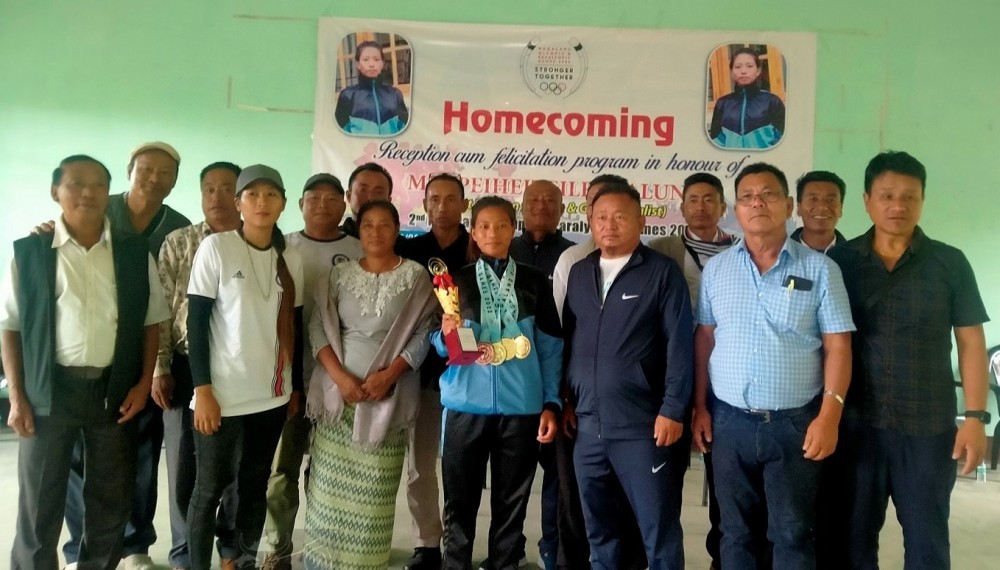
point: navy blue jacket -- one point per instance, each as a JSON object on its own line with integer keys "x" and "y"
{"x": 631, "y": 358}
{"x": 542, "y": 255}
{"x": 749, "y": 117}
{"x": 372, "y": 108}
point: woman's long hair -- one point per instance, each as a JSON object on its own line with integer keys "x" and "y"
{"x": 286, "y": 310}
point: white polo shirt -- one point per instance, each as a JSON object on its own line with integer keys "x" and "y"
{"x": 247, "y": 376}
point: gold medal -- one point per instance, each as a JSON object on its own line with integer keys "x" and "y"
{"x": 499, "y": 354}
{"x": 485, "y": 354}
{"x": 510, "y": 347}
{"x": 522, "y": 347}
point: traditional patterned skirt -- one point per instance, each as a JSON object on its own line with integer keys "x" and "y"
{"x": 351, "y": 499}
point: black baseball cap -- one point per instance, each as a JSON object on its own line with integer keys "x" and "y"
{"x": 323, "y": 178}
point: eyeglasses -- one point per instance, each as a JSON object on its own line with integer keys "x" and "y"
{"x": 767, "y": 196}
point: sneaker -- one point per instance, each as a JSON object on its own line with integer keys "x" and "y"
{"x": 227, "y": 564}
{"x": 138, "y": 562}
{"x": 522, "y": 563}
{"x": 276, "y": 562}
{"x": 424, "y": 558}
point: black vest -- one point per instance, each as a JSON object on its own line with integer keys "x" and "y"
{"x": 36, "y": 301}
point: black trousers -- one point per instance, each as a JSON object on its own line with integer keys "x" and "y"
{"x": 253, "y": 438}
{"x": 915, "y": 471}
{"x": 574, "y": 550}
{"x": 140, "y": 533}
{"x": 78, "y": 412}
{"x": 510, "y": 446}
{"x": 178, "y": 439}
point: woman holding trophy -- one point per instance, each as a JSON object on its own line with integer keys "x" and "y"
{"x": 501, "y": 405}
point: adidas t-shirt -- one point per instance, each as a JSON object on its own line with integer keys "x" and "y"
{"x": 247, "y": 376}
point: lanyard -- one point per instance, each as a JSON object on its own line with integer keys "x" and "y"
{"x": 498, "y": 311}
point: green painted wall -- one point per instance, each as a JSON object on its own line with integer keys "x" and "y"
{"x": 99, "y": 77}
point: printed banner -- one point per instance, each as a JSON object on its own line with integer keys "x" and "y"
{"x": 502, "y": 106}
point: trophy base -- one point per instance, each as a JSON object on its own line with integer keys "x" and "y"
{"x": 463, "y": 348}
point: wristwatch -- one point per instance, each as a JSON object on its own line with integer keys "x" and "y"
{"x": 980, "y": 415}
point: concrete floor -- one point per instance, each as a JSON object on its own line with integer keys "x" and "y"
{"x": 974, "y": 523}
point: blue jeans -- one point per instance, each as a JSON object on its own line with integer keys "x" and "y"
{"x": 917, "y": 472}
{"x": 759, "y": 464}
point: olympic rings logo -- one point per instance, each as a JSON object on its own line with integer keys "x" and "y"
{"x": 552, "y": 87}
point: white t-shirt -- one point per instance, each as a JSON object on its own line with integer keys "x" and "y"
{"x": 610, "y": 268}
{"x": 560, "y": 275}
{"x": 318, "y": 258}
{"x": 243, "y": 335}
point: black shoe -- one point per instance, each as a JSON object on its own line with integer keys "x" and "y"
{"x": 424, "y": 559}
{"x": 522, "y": 562}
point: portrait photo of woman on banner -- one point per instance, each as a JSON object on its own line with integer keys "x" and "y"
{"x": 746, "y": 96}
{"x": 373, "y": 84}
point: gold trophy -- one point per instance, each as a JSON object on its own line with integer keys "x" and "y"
{"x": 463, "y": 348}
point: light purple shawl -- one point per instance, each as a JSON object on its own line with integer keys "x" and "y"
{"x": 373, "y": 420}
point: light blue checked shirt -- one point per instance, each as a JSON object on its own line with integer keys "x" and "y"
{"x": 768, "y": 346}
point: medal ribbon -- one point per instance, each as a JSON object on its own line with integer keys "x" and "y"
{"x": 498, "y": 311}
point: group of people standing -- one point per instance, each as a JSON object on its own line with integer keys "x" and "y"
{"x": 812, "y": 371}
